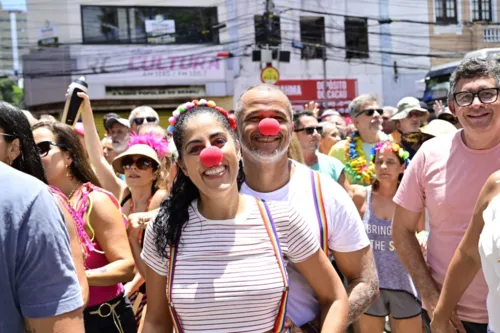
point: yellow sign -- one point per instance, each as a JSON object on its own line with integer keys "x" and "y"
{"x": 270, "y": 75}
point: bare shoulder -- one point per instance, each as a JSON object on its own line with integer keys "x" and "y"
{"x": 358, "y": 193}
{"x": 100, "y": 199}
{"x": 492, "y": 187}
{"x": 158, "y": 198}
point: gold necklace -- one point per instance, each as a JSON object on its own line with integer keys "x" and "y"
{"x": 73, "y": 192}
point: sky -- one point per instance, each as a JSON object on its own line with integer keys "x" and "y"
{"x": 14, "y": 4}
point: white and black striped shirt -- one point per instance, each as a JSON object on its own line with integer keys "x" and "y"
{"x": 226, "y": 277}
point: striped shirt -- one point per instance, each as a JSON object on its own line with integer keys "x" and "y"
{"x": 226, "y": 276}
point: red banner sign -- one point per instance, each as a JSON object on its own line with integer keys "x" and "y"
{"x": 339, "y": 92}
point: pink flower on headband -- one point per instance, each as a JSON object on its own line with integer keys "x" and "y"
{"x": 159, "y": 144}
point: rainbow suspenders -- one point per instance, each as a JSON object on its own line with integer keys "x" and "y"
{"x": 320, "y": 211}
{"x": 273, "y": 236}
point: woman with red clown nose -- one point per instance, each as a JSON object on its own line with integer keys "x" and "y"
{"x": 220, "y": 255}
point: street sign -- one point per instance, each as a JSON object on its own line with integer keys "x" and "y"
{"x": 270, "y": 75}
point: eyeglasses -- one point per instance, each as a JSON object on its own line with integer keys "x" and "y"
{"x": 142, "y": 163}
{"x": 139, "y": 121}
{"x": 370, "y": 112}
{"x": 310, "y": 130}
{"x": 44, "y": 147}
{"x": 486, "y": 96}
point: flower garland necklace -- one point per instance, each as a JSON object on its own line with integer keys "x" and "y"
{"x": 356, "y": 164}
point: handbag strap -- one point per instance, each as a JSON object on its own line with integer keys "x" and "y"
{"x": 273, "y": 236}
{"x": 319, "y": 205}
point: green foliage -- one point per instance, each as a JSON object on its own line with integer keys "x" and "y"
{"x": 11, "y": 93}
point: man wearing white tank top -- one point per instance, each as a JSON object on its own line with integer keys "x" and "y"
{"x": 271, "y": 176}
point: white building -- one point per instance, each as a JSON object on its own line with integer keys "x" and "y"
{"x": 144, "y": 52}
{"x": 344, "y": 26}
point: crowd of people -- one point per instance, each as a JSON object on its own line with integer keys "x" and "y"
{"x": 263, "y": 219}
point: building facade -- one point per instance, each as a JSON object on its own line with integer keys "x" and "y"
{"x": 132, "y": 53}
{"x": 144, "y": 53}
{"x": 358, "y": 53}
{"x": 13, "y": 24}
{"x": 463, "y": 26}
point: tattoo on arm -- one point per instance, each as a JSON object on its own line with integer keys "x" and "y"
{"x": 362, "y": 292}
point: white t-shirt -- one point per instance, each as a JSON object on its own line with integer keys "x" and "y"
{"x": 346, "y": 232}
{"x": 489, "y": 249}
{"x": 227, "y": 277}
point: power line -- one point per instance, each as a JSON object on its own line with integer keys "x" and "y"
{"x": 380, "y": 20}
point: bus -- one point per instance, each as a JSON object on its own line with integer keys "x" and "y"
{"x": 437, "y": 80}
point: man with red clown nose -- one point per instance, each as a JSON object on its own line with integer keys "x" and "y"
{"x": 264, "y": 118}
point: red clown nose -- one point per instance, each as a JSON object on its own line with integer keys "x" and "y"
{"x": 269, "y": 126}
{"x": 211, "y": 156}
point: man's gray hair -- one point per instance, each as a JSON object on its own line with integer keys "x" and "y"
{"x": 390, "y": 109}
{"x": 355, "y": 107}
{"x": 139, "y": 109}
{"x": 327, "y": 127}
{"x": 260, "y": 87}
{"x": 474, "y": 68}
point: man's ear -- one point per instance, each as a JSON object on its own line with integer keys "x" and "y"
{"x": 14, "y": 149}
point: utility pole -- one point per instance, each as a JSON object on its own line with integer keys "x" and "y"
{"x": 325, "y": 85}
{"x": 269, "y": 23}
{"x": 15, "y": 51}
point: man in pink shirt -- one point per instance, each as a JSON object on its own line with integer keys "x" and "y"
{"x": 445, "y": 178}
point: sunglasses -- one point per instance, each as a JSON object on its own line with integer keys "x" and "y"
{"x": 142, "y": 163}
{"x": 139, "y": 121}
{"x": 370, "y": 112}
{"x": 310, "y": 130}
{"x": 44, "y": 147}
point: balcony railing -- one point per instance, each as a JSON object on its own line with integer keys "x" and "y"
{"x": 491, "y": 34}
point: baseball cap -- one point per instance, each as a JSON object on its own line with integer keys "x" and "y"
{"x": 108, "y": 116}
{"x": 122, "y": 121}
{"x": 406, "y": 105}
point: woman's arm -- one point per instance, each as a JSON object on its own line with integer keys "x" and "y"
{"x": 466, "y": 262}
{"x": 329, "y": 289}
{"x": 111, "y": 235}
{"x": 158, "y": 318}
{"x": 103, "y": 169}
{"x": 76, "y": 253}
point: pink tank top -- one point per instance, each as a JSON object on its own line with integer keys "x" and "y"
{"x": 94, "y": 256}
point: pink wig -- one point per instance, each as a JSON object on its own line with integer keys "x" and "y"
{"x": 159, "y": 144}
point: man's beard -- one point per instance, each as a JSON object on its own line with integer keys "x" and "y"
{"x": 256, "y": 156}
{"x": 120, "y": 145}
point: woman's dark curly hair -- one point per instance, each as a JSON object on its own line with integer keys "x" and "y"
{"x": 80, "y": 168}
{"x": 174, "y": 214}
{"x": 14, "y": 123}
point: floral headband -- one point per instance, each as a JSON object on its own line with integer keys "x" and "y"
{"x": 394, "y": 147}
{"x": 195, "y": 103}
